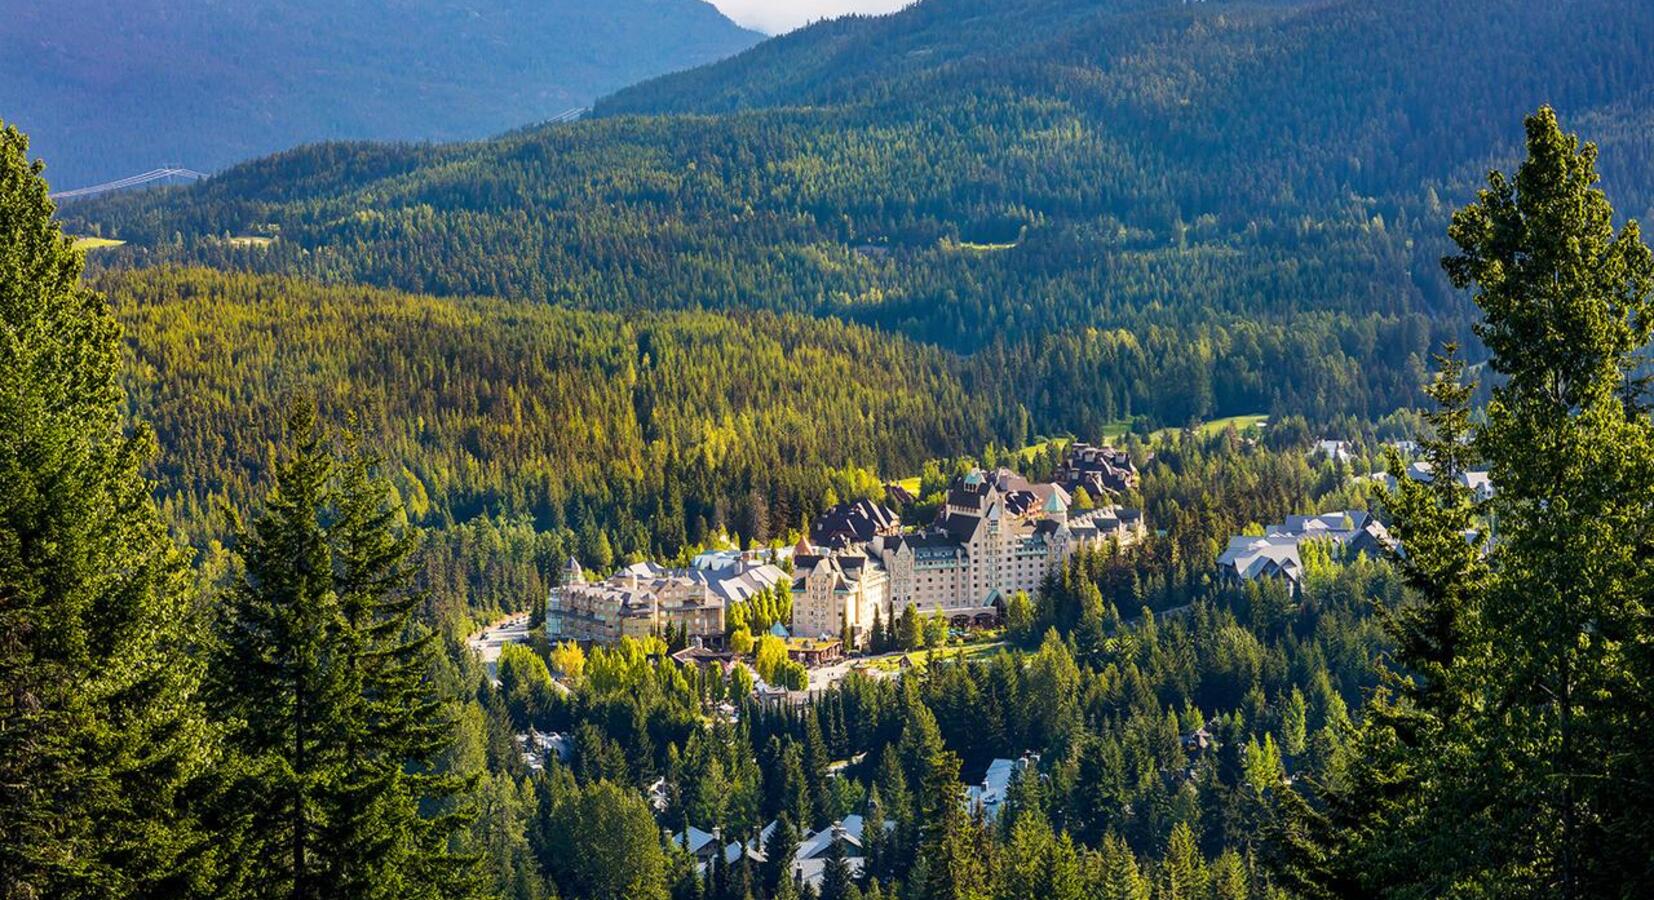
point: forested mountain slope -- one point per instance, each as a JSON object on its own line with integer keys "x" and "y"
{"x": 1258, "y": 191}
{"x": 651, "y": 430}
{"x": 1308, "y": 101}
{"x": 110, "y": 89}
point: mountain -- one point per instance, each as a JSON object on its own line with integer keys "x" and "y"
{"x": 653, "y": 427}
{"x": 109, "y": 89}
{"x": 1136, "y": 207}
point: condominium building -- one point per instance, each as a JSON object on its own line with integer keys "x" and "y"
{"x": 833, "y": 589}
{"x": 645, "y": 599}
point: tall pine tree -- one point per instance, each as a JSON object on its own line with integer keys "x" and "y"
{"x": 1568, "y": 306}
{"x": 100, "y": 734}
{"x": 317, "y": 666}
{"x": 1513, "y": 758}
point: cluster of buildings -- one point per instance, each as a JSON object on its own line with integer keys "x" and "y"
{"x": 815, "y": 847}
{"x": 1476, "y": 480}
{"x": 1275, "y": 553}
{"x": 996, "y": 533}
{"x": 809, "y": 859}
{"x": 1099, "y": 471}
{"x": 645, "y": 599}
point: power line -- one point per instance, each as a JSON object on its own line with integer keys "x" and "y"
{"x": 130, "y": 181}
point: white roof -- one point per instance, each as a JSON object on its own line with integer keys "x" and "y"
{"x": 697, "y": 840}
{"x": 813, "y": 871}
{"x": 1254, "y": 556}
{"x": 817, "y": 844}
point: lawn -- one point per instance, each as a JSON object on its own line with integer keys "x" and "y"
{"x": 918, "y": 659}
{"x": 1216, "y": 426}
{"x": 1117, "y": 429}
{"x": 1029, "y": 452}
{"x": 95, "y": 243}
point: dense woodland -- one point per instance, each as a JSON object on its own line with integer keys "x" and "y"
{"x": 536, "y": 432}
{"x": 317, "y": 738}
{"x": 1245, "y": 201}
{"x": 248, "y": 512}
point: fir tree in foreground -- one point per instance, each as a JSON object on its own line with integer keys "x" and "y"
{"x": 100, "y": 736}
{"x": 1513, "y": 754}
{"x": 318, "y": 668}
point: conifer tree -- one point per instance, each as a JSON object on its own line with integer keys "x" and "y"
{"x": 1183, "y": 874}
{"x": 336, "y": 733}
{"x": 836, "y": 878}
{"x": 874, "y": 840}
{"x": 1531, "y": 662}
{"x": 1568, "y": 306}
{"x": 100, "y": 731}
{"x": 382, "y": 841}
{"x": 778, "y": 856}
{"x": 608, "y": 848}
{"x": 1121, "y": 878}
{"x": 279, "y": 674}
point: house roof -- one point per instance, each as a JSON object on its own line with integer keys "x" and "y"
{"x": 1251, "y": 557}
{"x": 817, "y": 844}
{"x": 694, "y": 840}
{"x": 856, "y": 522}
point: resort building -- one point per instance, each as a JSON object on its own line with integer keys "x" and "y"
{"x": 645, "y": 599}
{"x": 833, "y": 589}
{"x": 1275, "y": 553}
{"x": 1100, "y": 471}
{"x": 995, "y": 534}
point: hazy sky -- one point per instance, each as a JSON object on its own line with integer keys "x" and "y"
{"x": 776, "y": 16}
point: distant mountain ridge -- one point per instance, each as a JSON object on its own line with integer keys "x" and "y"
{"x": 110, "y": 88}
{"x": 1140, "y": 207}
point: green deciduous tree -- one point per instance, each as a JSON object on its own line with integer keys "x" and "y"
{"x": 607, "y": 846}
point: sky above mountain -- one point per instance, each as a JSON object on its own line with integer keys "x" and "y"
{"x": 111, "y": 88}
{"x": 777, "y": 16}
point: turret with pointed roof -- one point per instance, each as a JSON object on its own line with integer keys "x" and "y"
{"x": 1055, "y": 508}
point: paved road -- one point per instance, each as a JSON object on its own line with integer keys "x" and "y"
{"x": 487, "y": 642}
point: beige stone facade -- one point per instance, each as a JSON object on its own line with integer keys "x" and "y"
{"x": 995, "y": 535}
{"x": 832, "y": 589}
{"x": 636, "y": 602}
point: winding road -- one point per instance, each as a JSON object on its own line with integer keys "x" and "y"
{"x": 488, "y": 642}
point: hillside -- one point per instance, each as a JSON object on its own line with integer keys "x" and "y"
{"x": 652, "y": 429}
{"x": 1319, "y": 98}
{"x": 110, "y": 89}
{"x": 1184, "y": 210}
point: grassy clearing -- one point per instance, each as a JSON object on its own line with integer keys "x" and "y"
{"x": 251, "y": 240}
{"x": 96, "y": 243}
{"x": 977, "y": 246}
{"x": 1029, "y": 452}
{"x": 1216, "y": 426}
{"x": 1117, "y": 429}
{"x": 919, "y": 659}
